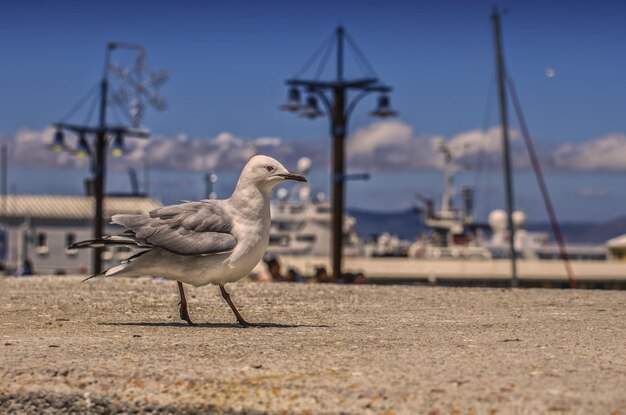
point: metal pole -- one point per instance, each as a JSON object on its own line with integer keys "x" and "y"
{"x": 99, "y": 167}
{"x": 99, "y": 164}
{"x": 508, "y": 179}
{"x": 4, "y": 159}
{"x": 5, "y": 162}
{"x": 340, "y": 33}
{"x": 339, "y": 133}
{"x": 338, "y": 110}
{"x": 556, "y": 228}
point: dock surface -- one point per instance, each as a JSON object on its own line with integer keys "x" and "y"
{"x": 117, "y": 346}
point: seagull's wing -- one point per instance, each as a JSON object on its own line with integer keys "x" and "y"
{"x": 191, "y": 228}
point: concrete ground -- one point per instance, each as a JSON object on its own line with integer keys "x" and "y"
{"x": 117, "y": 346}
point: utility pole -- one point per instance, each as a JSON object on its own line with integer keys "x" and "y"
{"x": 4, "y": 161}
{"x": 99, "y": 166}
{"x": 334, "y": 96}
{"x": 339, "y": 161}
{"x": 504, "y": 123}
{"x": 103, "y": 134}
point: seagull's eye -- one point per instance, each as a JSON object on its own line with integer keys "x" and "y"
{"x": 269, "y": 168}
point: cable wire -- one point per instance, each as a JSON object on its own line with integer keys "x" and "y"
{"x": 116, "y": 114}
{"x": 361, "y": 65}
{"x": 556, "y": 228}
{"x": 315, "y": 55}
{"x": 324, "y": 59}
{"x": 91, "y": 109}
{"x": 361, "y": 55}
{"x": 79, "y": 104}
{"x": 480, "y": 163}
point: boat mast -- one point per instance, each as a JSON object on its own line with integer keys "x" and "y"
{"x": 508, "y": 179}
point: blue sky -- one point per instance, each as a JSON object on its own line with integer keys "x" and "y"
{"x": 228, "y": 62}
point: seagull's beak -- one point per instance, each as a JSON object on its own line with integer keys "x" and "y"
{"x": 292, "y": 176}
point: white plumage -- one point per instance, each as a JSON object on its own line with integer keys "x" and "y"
{"x": 203, "y": 242}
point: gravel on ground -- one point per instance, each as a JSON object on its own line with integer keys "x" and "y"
{"x": 117, "y": 346}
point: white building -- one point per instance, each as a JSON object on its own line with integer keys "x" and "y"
{"x": 39, "y": 228}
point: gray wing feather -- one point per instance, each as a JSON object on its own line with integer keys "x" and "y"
{"x": 191, "y": 228}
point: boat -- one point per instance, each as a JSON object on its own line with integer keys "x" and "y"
{"x": 301, "y": 222}
{"x": 457, "y": 248}
{"x": 454, "y": 234}
{"x": 301, "y": 226}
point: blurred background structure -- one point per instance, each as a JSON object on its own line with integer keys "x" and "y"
{"x": 338, "y": 107}
{"x": 226, "y": 62}
{"x": 131, "y": 96}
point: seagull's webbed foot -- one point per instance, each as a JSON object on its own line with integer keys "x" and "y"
{"x": 243, "y": 323}
{"x": 184, "y": 315}
{"x": 183, "y": 311}
{"x": 240, "y": 319}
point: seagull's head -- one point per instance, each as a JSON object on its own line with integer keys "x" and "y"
{"x": 266, "y": 172}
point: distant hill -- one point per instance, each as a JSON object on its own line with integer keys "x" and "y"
{"x": 406, "y": 224}
{"x": 592, "y": 232}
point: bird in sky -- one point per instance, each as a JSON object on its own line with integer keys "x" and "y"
{"x": 202, "y": 242}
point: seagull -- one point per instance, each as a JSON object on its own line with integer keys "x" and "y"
{"x": 202, "y": 242}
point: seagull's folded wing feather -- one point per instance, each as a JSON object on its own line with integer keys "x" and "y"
{"x": 191, "y": 228}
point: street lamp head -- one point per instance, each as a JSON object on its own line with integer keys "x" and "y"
{"x": 384, "y": 108}
{"x": 311, "y": 110}
{"x": 118, "y": 148}
{"x": 58, "y": 145}
{"x": 83, "y": 148}
{"x": 293, "y": 100}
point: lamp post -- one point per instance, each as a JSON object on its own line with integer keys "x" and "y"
{"x": 102, "y": 134}
{"x": 335, "y": 98}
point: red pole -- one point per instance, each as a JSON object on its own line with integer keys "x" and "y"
{"x": 556, "y": 229}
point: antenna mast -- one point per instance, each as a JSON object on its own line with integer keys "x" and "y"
{"x": 508, "y": 179}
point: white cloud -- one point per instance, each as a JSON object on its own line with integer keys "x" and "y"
{"x": 606, "y": 153}
{"x": 224, "y": 152}
{"x": 392, "y": 146}
{"x": 268, "y": 141}
{"x": 387, "y": 146}
{"x": 32, "y": 148}
{"x": 472, "y": 142}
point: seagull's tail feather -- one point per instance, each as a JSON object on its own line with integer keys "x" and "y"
{"x": 94, "y": 276}
{"x": 125, "y": 219}
{"x": 134, "y": 257}
{"x": 108, "y": 273}
{"x": 118, "y": 269}
{"x": 108, "y": 240}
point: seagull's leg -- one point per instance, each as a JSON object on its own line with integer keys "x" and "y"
{"x": 184, "y": 313}
{"x": 240, "y": 319}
